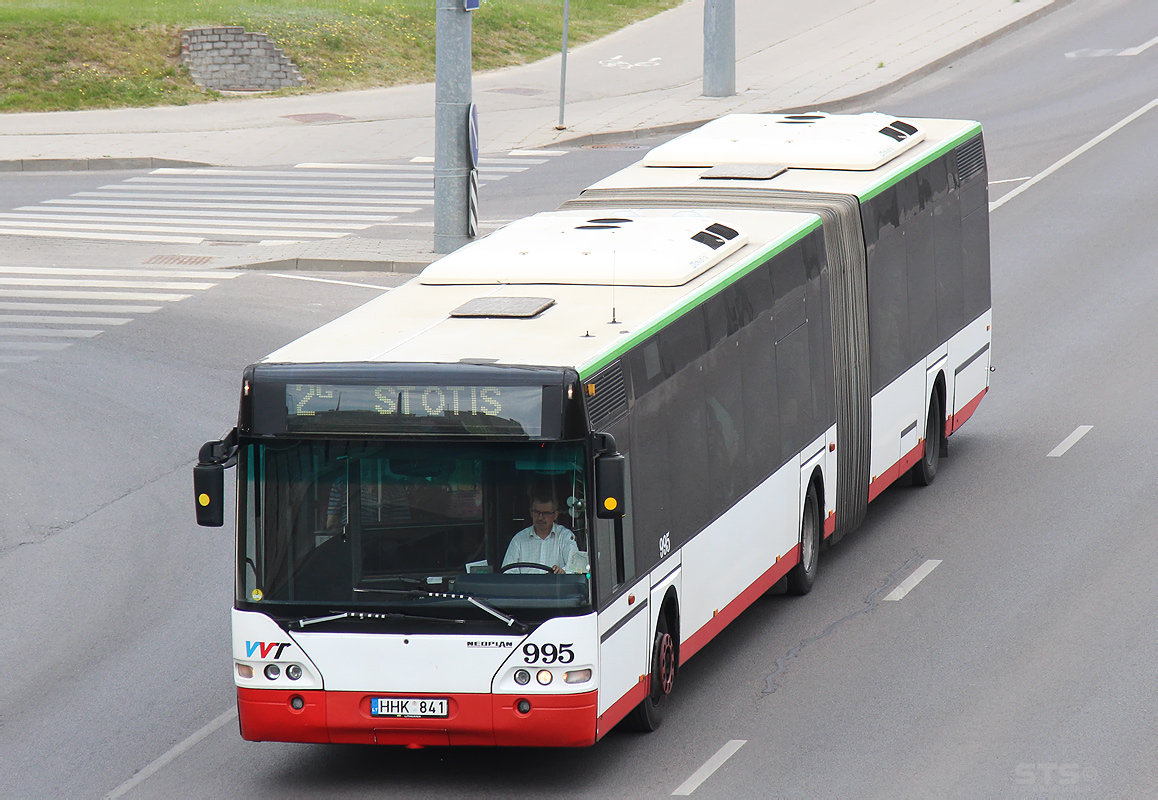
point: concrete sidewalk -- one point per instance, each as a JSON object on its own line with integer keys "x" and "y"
{"x": 790, "y": 55}
{"x": 642, "y": 79}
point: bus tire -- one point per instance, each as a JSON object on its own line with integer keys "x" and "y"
{"x": 803, "y": 575}
{"x": 925, "y": 470}
{"x": 649, "y": 714}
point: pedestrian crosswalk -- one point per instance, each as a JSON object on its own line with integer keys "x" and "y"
{"x": 44, "y": 310}
{"x": 304, "y": 203}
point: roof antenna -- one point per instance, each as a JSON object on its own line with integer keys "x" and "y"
{"x": 613, "y": 320}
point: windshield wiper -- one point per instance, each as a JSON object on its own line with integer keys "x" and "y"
{"x": 367, "y": 615}
{"x": 510, "y": 621}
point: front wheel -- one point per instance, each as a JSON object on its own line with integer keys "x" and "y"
{"x": 649, "y": 714}
{"x": 803, "y": 575}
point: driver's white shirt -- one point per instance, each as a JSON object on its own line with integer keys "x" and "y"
{"x": 552, "y": 551}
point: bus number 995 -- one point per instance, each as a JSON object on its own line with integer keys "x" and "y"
{"x": 549, "y": 653}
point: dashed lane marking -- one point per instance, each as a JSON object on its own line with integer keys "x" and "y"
{"x": 1069, "y": 441}
{"x": 712, "y": 764}
{"x": 910, "y": 583}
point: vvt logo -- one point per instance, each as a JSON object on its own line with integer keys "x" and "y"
{"x": 265, "y": 648}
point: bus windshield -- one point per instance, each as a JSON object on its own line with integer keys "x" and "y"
{"x": 358, "y": 525}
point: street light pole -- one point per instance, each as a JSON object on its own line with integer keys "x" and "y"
{"x": 563, "y": 67}
{"x": 719, "y": 48}
{"x": 452, "y": 99}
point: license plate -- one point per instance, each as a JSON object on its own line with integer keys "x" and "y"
{"x": 408, "y": 706}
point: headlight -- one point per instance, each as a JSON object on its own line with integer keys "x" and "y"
{"x": 544, "y": 676}
{"x": 522, "y": 677}
{"x": 272, "y": 671}
{"x": 294, "y": 671}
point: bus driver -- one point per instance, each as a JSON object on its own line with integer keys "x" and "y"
{"x": 545, "y": 542}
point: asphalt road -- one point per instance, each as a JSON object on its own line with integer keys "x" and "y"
{"x": 1021, "y": 666}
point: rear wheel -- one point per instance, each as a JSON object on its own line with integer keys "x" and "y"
{"x": 925, "y": 470}
{"x": 648, "y": 715}
{"x": 802, "y": 576}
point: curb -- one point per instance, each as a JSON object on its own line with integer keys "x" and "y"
{"x": 93, "y": 164}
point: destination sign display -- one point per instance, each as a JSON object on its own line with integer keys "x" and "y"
{"x": 501, "y": 410}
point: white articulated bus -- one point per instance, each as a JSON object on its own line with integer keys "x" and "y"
{"x": 668, "y": 393}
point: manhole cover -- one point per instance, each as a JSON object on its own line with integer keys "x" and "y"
{"x": 320, "y": 117}
{"x": 614, "y": 146}
{"x": 183, "y": 260}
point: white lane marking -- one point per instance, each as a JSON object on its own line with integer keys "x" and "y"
{"x": 177, "y": 223}
{"x": 52, "y": 333}
{"x": 1069, "y": 441}
{"x": 1008, "y": 180}
{"x": 34, "y": 345}
{"x": 495, "y": 224}
{"x": 1101, "y": 52}
{"x": 103, "y": 284}
{"x": 116, "y": 237}
{"x": 51, "y": 294}
{"x": 253, "y": 215}
{"x": 414, "y": 196}
{"x": 1087, "y": 52}
{"x": 909, "y": 583}
{"x": 507, "y": 164}
{"x": 379, "y": 172}
{"x": 996, "y": 204}
{"x": 224, "y": 185}
{"x": 1142, "y": 48}
{"x": 46, "y": 319}
{"x": 81, "y": 307}
{"x": 76, "y": 228}
{"x": 710, "y": 766}
{"x": 285, "y": 204}
{"x": 168, "y": 757}
{"x": 537, "y": 153}
{"x": 329, "y": 280}
{"x": 18, "y": 359}
{"x": 122, "y": 273}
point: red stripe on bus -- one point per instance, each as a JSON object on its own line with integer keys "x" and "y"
{"x": 891, "y": 474}
{"x": 965, "y": 413}
{"x": 622, "y": 707}
{"x": 733, "y": 609}
{"x": 472, "y": 719}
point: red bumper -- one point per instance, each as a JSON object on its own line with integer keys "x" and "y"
{"x": 473, "y": 719}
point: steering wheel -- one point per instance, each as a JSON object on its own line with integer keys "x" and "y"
{"x": 530, "y": 564}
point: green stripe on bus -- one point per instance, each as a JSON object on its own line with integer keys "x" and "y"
{"x": 704, "y": 293}
{"x": 933, "y": 155}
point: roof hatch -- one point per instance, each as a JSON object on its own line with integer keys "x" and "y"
{"x": 623, "y": 248}
{"x": 796, "y": 141}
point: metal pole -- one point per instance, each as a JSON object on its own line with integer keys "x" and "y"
{"x": 719, "y": 48}
{"x": 563, "y": 69}
{"x": 452, "y": 97}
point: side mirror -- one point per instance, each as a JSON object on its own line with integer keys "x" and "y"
{"x": 209, "y": 489}
{"x": 209, "y": 479}
{"x": 610, "y": 486}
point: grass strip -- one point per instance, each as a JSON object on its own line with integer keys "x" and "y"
{"x": 76, "y": 54}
